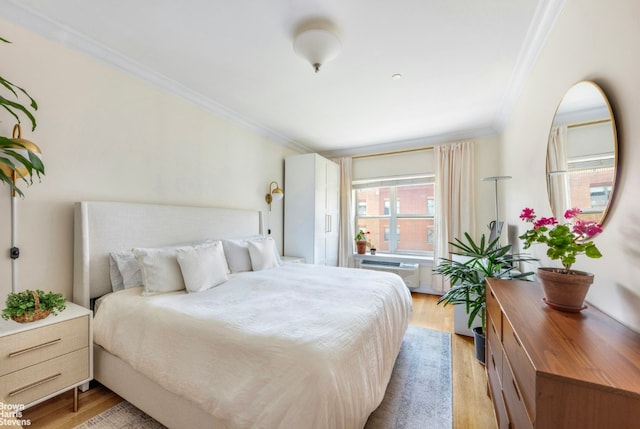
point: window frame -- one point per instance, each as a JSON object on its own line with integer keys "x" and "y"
{"x": 394, "y": 216}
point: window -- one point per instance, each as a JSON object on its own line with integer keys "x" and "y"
{"x": 362, "y": 208}
{"x": 384, "y": 220}
{"x": 431, "y": 206}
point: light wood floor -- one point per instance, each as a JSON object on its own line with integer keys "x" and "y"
{"x": 472, "y": 407}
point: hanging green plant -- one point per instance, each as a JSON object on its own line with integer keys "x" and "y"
{"x": 17, "y": 160}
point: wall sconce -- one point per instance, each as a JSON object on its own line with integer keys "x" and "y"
{"x": 21, "y": 148}
{"x": 274, "y": 194}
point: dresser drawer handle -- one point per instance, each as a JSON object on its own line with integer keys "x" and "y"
{"x": 36, "y": 384}
{"x": 515, "y": 386}
{"x": 39, "y": 346}
{"x": 517, "y": 340}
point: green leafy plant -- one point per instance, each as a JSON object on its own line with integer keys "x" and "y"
{"x": 10, "y": 160}
{"x": 361, "y": 235}
{"x": 24, "y": 302}
{"x": 468, "y": 275}
{"x": 564, "y": 241}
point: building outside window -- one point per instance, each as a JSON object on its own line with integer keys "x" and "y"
{"x": 383, "y": 218}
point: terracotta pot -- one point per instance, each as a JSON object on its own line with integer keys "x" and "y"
{"x": 565, "y": 292}
{"x": 361, "y": 247}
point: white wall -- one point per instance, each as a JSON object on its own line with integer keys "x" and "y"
{"x": 106, "y": 135}
{"x": 592, "y": 40}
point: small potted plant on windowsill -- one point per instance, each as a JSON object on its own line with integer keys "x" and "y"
{"x": 29, "y": 306}
{"x": 361, "y": 242}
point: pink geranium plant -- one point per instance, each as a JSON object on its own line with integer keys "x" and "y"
{"x": 564, "y": 241}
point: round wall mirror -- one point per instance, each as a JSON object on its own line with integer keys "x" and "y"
{"x": 582, "y": 153}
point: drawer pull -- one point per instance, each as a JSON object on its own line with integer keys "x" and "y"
{"x": 515, "y": 387}
{"x": 517, "y": 340}
{"x": 39, "y": 346}
{"x": 35, "y": 384}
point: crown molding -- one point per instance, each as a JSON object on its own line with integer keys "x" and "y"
{"x": 53, "y": 30}
{"x": 543, "y": 21}
{"x": 417, "y": 143}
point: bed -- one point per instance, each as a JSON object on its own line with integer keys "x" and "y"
{"x": 292, "y": 346}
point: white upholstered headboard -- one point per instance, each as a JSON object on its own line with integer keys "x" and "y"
{"x": 101, "y": 227}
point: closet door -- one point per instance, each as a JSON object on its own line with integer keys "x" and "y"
{"x": 311, "y": 209}
{"x": 320, "y": 213}
{"x": 332, "y": 213}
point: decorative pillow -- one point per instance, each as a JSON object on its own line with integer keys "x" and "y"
{"x": 160, "y": 270}
{"x": 203, "y": 267}
{"x": 237, "y": 253}
{"x": 263, "y": 254}
{"x": 129, "y": 269}
{"x": 114, "y": 273}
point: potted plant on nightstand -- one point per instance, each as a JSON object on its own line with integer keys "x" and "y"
{"x": 29, "y": 306}
{"x": 467, "y": 275}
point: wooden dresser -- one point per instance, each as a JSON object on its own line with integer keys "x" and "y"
{"x": 551, "y": 370}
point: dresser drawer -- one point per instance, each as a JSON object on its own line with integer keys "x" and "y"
{"x": 514, "y": 400}
{"x": 494, "y": 311}
{"x": 37, "y": 381}
{"x": 495, "y": 387}
{"x": 525, "y": 374}
{"x": 494, "y": 355}
{"x": 23, "y": 349}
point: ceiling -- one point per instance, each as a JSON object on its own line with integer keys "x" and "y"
{"x": 462, "y": 62}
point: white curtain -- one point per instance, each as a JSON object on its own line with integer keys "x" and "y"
{"x": 557, "y": 172}
{"x": 345, "y": 248}
{"x": 455, "y": 196}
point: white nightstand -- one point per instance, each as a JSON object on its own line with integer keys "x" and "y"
{"x": 292, "y": 260}
{"x": 42, "y": 359}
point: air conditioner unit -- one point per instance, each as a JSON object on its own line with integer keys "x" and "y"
{"x": 408, "y": 272}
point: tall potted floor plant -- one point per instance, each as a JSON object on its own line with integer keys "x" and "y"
{"x": 467, "y": 276}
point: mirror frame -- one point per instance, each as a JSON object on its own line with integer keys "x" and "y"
{"x": 614, "y": 131}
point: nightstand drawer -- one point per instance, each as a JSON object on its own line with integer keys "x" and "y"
{"x": 21, "y": 350}
{"x": 38, "y": 381}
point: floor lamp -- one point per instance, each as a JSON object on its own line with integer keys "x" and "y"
{"x": 495, "y": 228}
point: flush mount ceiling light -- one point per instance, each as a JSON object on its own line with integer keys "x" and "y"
{"x": 316, "y": 42}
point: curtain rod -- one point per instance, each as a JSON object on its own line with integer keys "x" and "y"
{"x": 396, "y": 152}
{"x": 586, "y": 124}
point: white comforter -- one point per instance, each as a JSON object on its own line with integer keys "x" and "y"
{"x": 299, "y": 346}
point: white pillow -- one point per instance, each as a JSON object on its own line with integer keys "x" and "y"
{"x": 263, "y": 254}
{"x": 237, "y": 253}
{"x": 203, "y": 267}
{"x": 160, "y": 269}
{"x": 114, "y": 274}
{"x": 128, "y": 268}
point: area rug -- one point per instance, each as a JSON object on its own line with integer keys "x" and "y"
{"x": 419, "y": 394}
